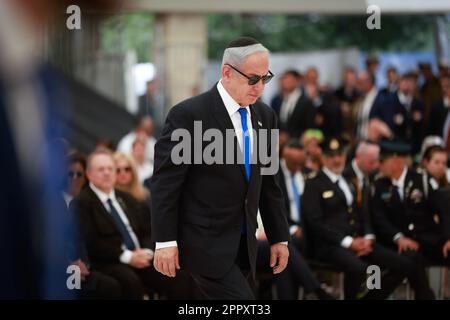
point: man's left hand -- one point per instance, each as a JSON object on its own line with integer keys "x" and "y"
{"x": 279, "y": 255}
{"x": 446, "y": 249}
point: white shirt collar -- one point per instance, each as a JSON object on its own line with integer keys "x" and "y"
{"x": 284, "y": 167}
{"x": 446, "y": 102}
{"x": 230, "y": 104}
{"x": 404, "y": 99}
{"x": 358, "y": 172}
{"x": 102, "y": 195}
{"x": 400, "y": 183}
{"x": 333, "y": 177}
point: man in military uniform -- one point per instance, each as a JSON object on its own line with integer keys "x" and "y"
{"x": 339, "y": 233}
{"x": 404, "y": 214}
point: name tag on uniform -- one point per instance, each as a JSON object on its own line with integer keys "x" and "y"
{"x": 327, "y": 194}
{"x": 386, "y": 196}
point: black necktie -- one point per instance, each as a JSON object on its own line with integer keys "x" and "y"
{"x": 127, "y": 240}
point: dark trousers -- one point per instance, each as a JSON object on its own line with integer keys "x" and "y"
{"x": 297, "y": 273}
{"x": 99, "y": 286}
{"x": 135, "y": 283}
{"x": 234, "y": 285}
{"x": 433, "y": 254}
{"x": 396, "y": 268}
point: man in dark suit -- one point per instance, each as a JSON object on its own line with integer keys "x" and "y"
{"x": 292, "y": 182}
{"x": 360, "y": 173}
{"x": 340, "y": 235}
{"x": 403, "y": 113}
{"x": 289, "y": 83}
{"x": 404, "y": 213}
{"x": 440, "y": 117}
{"x": 116, "y": 241}
{"x": 204, "y": 215}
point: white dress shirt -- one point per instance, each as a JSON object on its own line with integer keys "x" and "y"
{"x": 342, "y": 184}
{"x": 288, "y": 105}
{"x": 126, "y": 255}
{"x": 400, "y": 184}
{"x": 359, "y": 174}
{"x": 364, "y": 113}
{"x": 299, "y": 181}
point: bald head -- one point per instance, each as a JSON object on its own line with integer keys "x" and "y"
{"x": 367, "y": 157}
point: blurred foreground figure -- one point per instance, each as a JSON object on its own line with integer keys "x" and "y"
{"x": 33, "y": 232}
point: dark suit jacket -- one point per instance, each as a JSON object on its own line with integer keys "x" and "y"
{"x": 437, "y": 119}
{"x": 102, "y": 238}
{"x": 362, "y": 198}
{"x": 413, "y": 216}
{"x": 405, "y": 125}
{"x": 301, "y": 119}
{"x": 328, "y": 217}
{"x": 202, "y": 206}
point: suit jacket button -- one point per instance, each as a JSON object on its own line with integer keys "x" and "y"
{"x": 350, "y": 210}
{"x": 352, "y": 222}
{"x": 411, "y": 227}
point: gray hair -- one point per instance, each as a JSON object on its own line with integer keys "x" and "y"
{"x": 236, "y": 55}
{"x": 364, "y": 147}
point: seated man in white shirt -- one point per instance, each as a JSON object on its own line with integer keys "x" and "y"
{"x": 115, "y": 237}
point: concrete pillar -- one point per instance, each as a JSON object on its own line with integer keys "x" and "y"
{"x": 180, "y": 55}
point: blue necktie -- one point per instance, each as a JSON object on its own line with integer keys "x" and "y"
{"x": 127, "y": 240}
{"x": 246, "y": 141}
{"x": 246, "y": 153}
{"x": 296, "y": 195}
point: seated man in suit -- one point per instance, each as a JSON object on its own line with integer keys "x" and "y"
{"x": 405, "y": 212}
{"x": 292, "y": 182}
{"x": 116, "y": 241}
{"x": 403, "y": 113}
{"x": 339, "y": 233}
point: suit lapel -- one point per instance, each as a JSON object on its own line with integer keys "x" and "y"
{"x": 335, "y": 188}
{"x": 105, "y": 214}
{"x": 255, "y": 167}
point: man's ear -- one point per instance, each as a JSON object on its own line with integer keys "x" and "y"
{"x": 226, "y": 72}
{"x": 88, "y": 174}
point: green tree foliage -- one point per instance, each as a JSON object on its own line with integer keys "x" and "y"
{"x": 279, "y": 32}
{"x": 123, "y": 32}
{"x": 312, "y": 32}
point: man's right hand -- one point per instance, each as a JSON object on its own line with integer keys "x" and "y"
{"x": 361, "y": 246}
{"x": 166, "y": 261}
{"x": 405, "y": 243}
{"x": 140, "y": 259}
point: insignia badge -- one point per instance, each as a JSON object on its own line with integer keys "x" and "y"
{"x": 416, "y": 196}
{"x": 327, "y": 194}
{"x": 398, "y": 119}
{"x": 334, "y": 144}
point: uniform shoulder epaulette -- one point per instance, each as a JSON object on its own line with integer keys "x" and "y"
{"x": 311, "y": 175}
{"x": 420, "y": 170}
{"x": 378, "y": 177}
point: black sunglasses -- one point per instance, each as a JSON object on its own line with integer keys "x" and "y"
{"x": 252, "y": 80}
{"x": 75, "y": 174}
{"x": 126, "y": 169}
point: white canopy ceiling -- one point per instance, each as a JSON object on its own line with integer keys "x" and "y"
{"x": 288, "y": 6}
